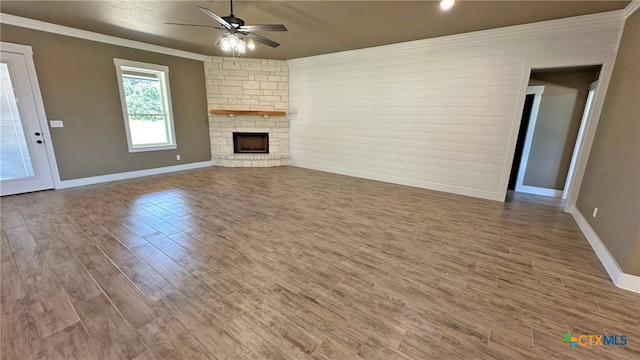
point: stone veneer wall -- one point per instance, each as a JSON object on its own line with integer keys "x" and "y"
{"x": 247, "y": 84}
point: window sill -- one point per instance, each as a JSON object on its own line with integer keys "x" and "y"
{"x": 152, "y": 148}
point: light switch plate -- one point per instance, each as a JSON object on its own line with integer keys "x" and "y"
{"x": 56, "y": 123}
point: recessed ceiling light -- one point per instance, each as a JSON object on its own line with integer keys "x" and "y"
{"x": 446, "y": 4}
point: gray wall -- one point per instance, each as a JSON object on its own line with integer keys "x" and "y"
{"x": 612, "y": 177}
{"x": 557, "y": 125}
{"x": 79, "y": 86}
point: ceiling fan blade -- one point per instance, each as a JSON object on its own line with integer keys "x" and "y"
{"x": 264, "y": 27}
{"x": 215, "y": 16}
{"x": 261, "y": 39}
{"x": 209, "y": 26}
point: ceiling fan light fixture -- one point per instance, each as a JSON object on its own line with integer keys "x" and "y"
{"x": 241, "y": 47}
{"x": 233, "y": 42}
{"x": 446, "y": 4}
{"x": 224, "y": 44}
{"x": 234, "y": 39}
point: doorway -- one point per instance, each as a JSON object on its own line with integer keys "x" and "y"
{"x": 522, "y": 132}
{"x": 551, "y": 131}
{"x": 525, "y": 135}
{"x": 24, "y": 158}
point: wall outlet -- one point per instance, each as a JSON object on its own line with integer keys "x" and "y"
{"x": 595, "y": 212}
{"x": 177, "y": 157}
{"x": 56, "y": 123}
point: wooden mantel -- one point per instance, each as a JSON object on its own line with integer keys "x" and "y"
{"x": 248, "y": 112}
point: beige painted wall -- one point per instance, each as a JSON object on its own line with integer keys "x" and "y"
{"x": 79, "y": 86}
{"x": 544, "y": 167}
{"x": 557, "y": 126}
{"x": 612, "y": 177}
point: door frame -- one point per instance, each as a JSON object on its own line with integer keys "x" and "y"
{"x": 27, "y": 51}
{"x": 581, "y": 132}
{"x": 606, "y": 61}
{"x": 537, "y": 91}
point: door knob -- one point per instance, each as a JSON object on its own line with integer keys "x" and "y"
{"x": 37, "y": 134}
{"x": 39, "y": 141}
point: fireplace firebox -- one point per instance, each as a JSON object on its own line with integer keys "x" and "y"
{"x": 250, "y": 143}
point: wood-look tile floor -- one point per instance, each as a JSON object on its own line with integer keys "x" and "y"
{"x": 288, "y": 263}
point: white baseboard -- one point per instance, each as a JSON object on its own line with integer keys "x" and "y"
{"x": 130, "y": 175}
{"x": 538, "y": 191}
{"x": 619, "y": 278}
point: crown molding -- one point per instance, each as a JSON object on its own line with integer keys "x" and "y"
{"x": 92, "y": 36}
{"x": 633, "y": 6}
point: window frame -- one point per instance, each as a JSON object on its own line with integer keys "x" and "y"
{"x": 163, "y": 72}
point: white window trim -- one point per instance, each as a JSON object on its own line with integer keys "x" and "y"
{"x": 119, "y": 63}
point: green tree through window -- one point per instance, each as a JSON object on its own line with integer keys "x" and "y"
{"x": 144, "y": 98}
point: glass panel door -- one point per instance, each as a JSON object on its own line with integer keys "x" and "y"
{"x": 15, "y": 161}
{"x": 24, "y": 162}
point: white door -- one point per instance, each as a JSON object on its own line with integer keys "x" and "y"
{"x": 24, "y": 164}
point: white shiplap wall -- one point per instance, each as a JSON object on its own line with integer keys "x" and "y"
{"x": 439, "y": 113}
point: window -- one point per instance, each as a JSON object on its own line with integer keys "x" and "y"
{"x": 146, "y": 105}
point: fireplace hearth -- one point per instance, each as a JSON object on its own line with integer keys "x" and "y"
{"x": 250, "y": 143}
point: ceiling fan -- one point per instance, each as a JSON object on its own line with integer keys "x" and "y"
{"x": 233, "y": 40}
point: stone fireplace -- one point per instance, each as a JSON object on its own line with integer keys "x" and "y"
{"x": 248, "y": 96}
